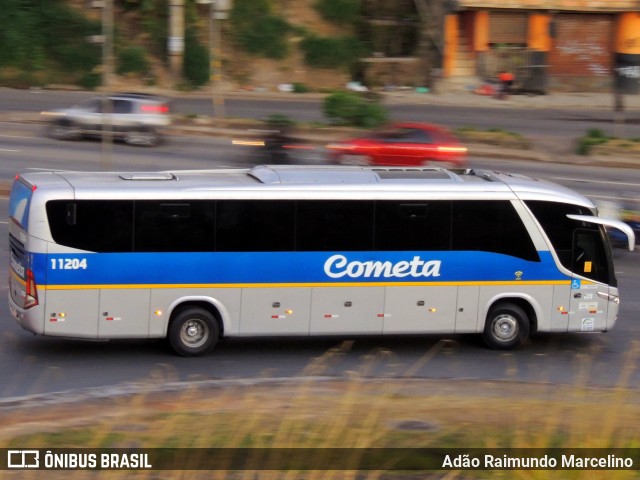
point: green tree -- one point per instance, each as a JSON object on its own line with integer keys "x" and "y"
{"x": 196, "y": 61}
{"x": 155, "y": 22}
{"x": 331, "y": 52}
{"x": 342, "y": 12}
{"x": 46, "y": 35}
{"x": 258, "y": 30}
{"x": 132, "y": 60}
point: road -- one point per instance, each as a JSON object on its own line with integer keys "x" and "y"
{"x": 542, "y": 125}
{"x": 24, "y": 146}
{"x": 34, "y": 365}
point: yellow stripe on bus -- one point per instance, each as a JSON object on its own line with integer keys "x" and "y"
{"x": 307, "y": 285}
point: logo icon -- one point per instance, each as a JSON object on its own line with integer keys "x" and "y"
{"x": 23, "y": 459}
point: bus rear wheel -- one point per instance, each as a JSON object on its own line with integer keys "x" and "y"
{"x": 507, "y": 326}
{"x": 193, "y": 331}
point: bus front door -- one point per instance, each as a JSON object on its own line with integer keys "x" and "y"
{"x": 589, "y": 284}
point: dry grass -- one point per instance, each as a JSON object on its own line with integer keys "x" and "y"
{"x": 354, "y": 412}
{"x": 495, "y": 136}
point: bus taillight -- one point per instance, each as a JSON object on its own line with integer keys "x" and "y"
{"x": 31, "y": 293}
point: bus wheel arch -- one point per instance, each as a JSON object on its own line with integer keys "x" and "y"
{"x": 194, "y": 328}
{"x": 508, "y": 323}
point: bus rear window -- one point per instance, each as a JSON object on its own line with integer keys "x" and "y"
{"x": 19, "y": 201}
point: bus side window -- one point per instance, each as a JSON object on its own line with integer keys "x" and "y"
{"x": 401, "y": 225}
{"x": 97, "y": 226}
{"x": 334, "y": 225}
{"x": 255, "y": 226}
{"x": 162, "y": 226}
{"x": 491, "y": 226}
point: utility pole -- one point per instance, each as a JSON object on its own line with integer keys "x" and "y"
{"x": 176, "y": 39}
{"x": 218, "y": 11}
{"x": 107, "y": 77}
{"x": 107, "y": 44}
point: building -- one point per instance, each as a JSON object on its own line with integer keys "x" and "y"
{"x": 560, "y": 45}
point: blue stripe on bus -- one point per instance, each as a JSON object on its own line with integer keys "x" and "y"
{"x": 288, "y": 268}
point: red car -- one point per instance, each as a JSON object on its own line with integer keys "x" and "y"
{"x": 407, "y": 144}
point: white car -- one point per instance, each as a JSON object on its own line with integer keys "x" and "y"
{"x": 135, "y": 118}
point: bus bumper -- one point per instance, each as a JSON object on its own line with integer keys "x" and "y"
{"x": 27, "y": 321}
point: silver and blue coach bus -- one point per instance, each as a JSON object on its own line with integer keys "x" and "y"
{"x": 194, "y": 256}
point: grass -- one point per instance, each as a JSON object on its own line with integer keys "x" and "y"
{"x": 595, "y": 141}
{"x": 355, "y": 412}
{"x": 493, "y": 136}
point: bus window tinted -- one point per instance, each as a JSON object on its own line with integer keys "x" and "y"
{"x": 255, "y": 226}
{"x": 590, "y": 256}
{"x": 98, "y": 226}
{"x": 174, "y": 226}
{"x": 334, "y": 225}
{"x": 284, "y": 225}
{"x": 553, "y": 218}
{"x": 491, "y": 226}
{"x": 413, "y": 226}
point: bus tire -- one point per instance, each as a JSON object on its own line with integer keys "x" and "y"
{"x": 507, "y": 327}
{"x": 193, "y": 331}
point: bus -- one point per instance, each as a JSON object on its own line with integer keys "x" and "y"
{"x": 197, "y": 256}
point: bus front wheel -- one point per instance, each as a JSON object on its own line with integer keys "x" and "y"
{"x": 507, "y": 326}
{"x": 193, "y": 331}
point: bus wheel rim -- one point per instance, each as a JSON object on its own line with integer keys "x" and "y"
{"x": 194, "y": 333}
{"x": 505, "y": 328}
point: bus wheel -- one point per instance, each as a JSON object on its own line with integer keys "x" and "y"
{"x": 507, "y": 326}
{"x": 193, "y": 332}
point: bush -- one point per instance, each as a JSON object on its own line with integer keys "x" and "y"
{"x": 346, "y": 108}
{"x": 342, "y": 12}
{"x": 279, "y": 121}
{"x": 258, "y": 30}
{"x": 91, "y": 81}
{"x": 267, "y": 38}
{"x": 300, "y": 88}
{"x": 196, "y": 61}
{"x": 64, "y": 33}
{"x": 592, "y": 138}
{"x": 154, "y": 19}
{"x": 132, "y": 60}
{"x": 50, "y": 35}
{"x": 328, "y": 52}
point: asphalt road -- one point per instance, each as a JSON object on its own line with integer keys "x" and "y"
{"x": 542, "y": 125}
{"x": 34, "y": 365}
{"x": 25, "y": 146}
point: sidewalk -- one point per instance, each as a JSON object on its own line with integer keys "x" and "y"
{"x": 603, "y": 101}
{"x": 460, "y": 98}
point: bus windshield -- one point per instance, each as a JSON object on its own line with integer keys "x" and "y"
{"x": 19, "y": 201}
{"x": 581, "y": 247}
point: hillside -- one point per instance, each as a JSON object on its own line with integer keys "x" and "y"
{"x": 247, "y": 71}
{"x": 240, "y": 69}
